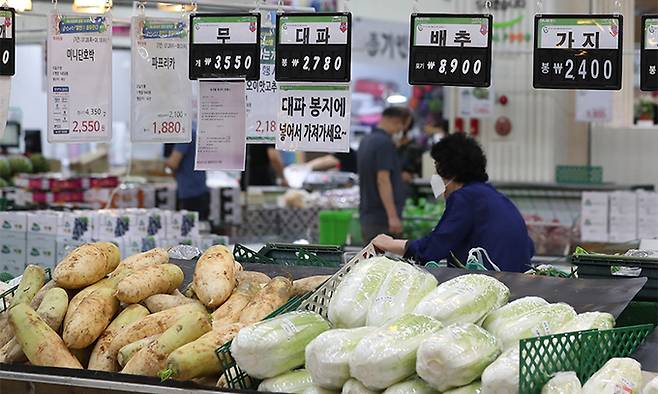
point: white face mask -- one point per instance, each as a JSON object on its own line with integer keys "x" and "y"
{"x": 438, "y": 186}
{"x": 397, "y": 137}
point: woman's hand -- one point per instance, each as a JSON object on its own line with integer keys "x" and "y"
{"x": 386, "y": 243}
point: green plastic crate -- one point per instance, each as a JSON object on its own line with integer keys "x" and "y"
{"x": 4, "y": 301}
{"x": 291, "y": 254}
{"x": 335, "y": 226}
{"x": 583, "y": 352}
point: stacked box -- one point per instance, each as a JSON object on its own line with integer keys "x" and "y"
{"x": 594, "y": 217}
{"x": 182, "y": 224}
{"x": 42, "y": 238}
{"x": 647, "y": 215}
{"x": 13, "y": 248}
{"x": 623, "y": 217}
{"x": 76, "y": 225}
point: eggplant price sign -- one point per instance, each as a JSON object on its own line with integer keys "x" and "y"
{"x": 450, "y": 50}
{"x": 578, "y": 52}
{"x": 649, "y": 54}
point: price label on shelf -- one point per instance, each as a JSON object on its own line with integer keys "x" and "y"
{"x": 578, "y": 52}
{"x": 314, "y": 118}
{"x": 161, "y": 99}
{"x": 7, "y": 41}
{"x": 79, "y": 78}
{"x": 225, "y": 46}
{"x": 649, "y": 54}
{"x": 450, "y": 50}
{"x": 314, "y": 47}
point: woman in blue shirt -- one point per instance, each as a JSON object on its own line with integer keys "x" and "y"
{"x": 476, "y": 214}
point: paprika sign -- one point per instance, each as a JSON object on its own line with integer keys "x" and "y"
{"x": 649, "y": 54}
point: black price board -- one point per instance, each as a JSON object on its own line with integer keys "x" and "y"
{"x": 225, "y": 46}
{"x": 578, "y": 52}
{"x": 313, "y": 47}
{"x": 649, "y": 54}
{"x": 7, "y": 41}
{"x": 450, "y": 50}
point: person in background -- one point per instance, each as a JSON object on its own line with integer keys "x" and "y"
{"x": 411, "y": 158}
{"x": 191, "y": 189}
{"x": 476, "y": 214}
{"x": 380, "y": 178}
{"x": 264, "y": 166}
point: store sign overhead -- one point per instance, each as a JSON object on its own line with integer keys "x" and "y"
{"x": 7, "y": 41}
{"x": 225, "y": 46}
{"x": 313, "y": 47}
{"x": 578, "y": 52}
{"x": 450, "y": 50}
{"x": 649, "y": 54}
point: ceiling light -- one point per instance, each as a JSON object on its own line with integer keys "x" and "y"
{"x": 168, "y": 7}
{"x": 396, "y": 99}
{"x": 20, "y": 5}
{"x": 92, "y": 6}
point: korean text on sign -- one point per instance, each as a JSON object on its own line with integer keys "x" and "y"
{"x": 649, "y": 54}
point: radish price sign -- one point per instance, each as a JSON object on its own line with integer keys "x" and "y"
{"x": 161, "y": 91}
{"x": 450, "y": 50}
{"x": 314, "y": 47}
{"x": 578, "y": 52}
{"x": 225, "y": 46}
{"x": 649, "y": 54}
{"x": 79, "y": 78}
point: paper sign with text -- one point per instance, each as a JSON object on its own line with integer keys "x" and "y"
{"x": 649, "y": 54}
{"x": 221, "y": 141}
{"x": 161, "y": 100}
{"x": 578, "y": 52}
{"x": 79, "y": 78}
{"x": 262, "y": 96}
{"x": 314, "y": 118}
{"x": 7, "y": 41}
{"x": 594, "y": 106}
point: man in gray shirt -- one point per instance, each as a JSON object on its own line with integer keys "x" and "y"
{"x": 380, "y": 181}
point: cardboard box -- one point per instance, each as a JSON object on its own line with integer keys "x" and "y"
{"x": 42, "y": 250}
{"x": 206, "y": 241}
{"x": 112, "y": 224}
{"x": 64, "y": 245}
{"x": 647, "y": 215}
{"x": 594, "y": 217}
{"x": 77, "y": 225}
{"x": 42, "y": 223}
{"x": 13, "y": 221}
{"x": 13, "y": 247}
{"x": 623, "y": 217}
{"x": 149, "y": 223}
{"x": 182, "y": 224}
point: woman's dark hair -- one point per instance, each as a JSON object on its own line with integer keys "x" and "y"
{"x": 461, "y": 158}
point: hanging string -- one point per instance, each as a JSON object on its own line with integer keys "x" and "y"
{"x": 415, "y": 7}
{"x": 279, "y": 6}
{"x": 487, "y": 7}
{"x": 540, "y": 7}
{"x": 140, "y": 9}
{"x": 618, "y": 7}
{"x": 346, "y": 5}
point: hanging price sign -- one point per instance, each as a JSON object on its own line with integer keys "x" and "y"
{"x": 161, "y": 100}
{"x": 225, "y": 46}
{"x": 314, "y": 47}
{"x": 649, "y": 54}
{"x": 79, "y": 78}
{"x": 578, "y": 52}
{"x": 7, "y": 41}
{"x": 450, "y": 50}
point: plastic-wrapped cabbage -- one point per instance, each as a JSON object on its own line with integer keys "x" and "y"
{"x": 511, "y": 312}
{"x": 319, "y": 390}
{"x": 502, "y": 376}
{"x": 350, "y": 302}
{"x": 589, "y": 321}
{"x": 618, "y": 375}
{"x": 651, "y": 387}
{"x": 274, "y": 346}
{"x": 456, "y": 356}
{"x": 413, "y": 385}
{"x": 563, "y": 383}
{"x": 399, "y": 294}
{"x": 464, "y": 299}
{"x": 290, "y": 382}
{"x": 473, "y": 388}
{"x": 353, "y": 386}
{"x": 544, "y": 320}
{"x": 328, "y": 355}
{"x": 388, "y": 355}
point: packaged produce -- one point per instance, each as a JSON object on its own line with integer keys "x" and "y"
{"x": 158, "y": 279}
{"x": 388, "y": 355}
{"x": 502, "y": 376}
{"x": 563, "y": 383}
{"x": 160, "y": 302}
{"x": 404, "y": 286}
{"x": 275, "y": 294}
{"x": 473, "y": 388}
{"x": 214, "y": 276}
{"x": 40, "y": 343}
{"x": 84, "y": 266}
{"x": 544, "y": 320}
{"x": 143, "y": 260}
{"x": 353, "y": 386}
{"x": 456, "y": 356}
{"x": 414, "y": 385}
{"x": 589, "y": 321}
{"x": 348, "y": 307}
{"x": 328, "y": 355}
{"x": 271, "y": 347}
{"x": 151, "y": 359}
{"x": 464, "y": 299}
{"x": 289, "y": 382}
{"x": 229, "y": 312}
{"x": 618, "y": 375}
{"x": 651, "y": 387}
{"x": 308, "y": 285}
{"x": 510, "y": 312}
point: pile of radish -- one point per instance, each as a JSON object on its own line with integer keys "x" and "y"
{"x": 104, "y": 314}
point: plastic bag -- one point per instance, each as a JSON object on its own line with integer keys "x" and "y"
{"x": 563, "y": 383}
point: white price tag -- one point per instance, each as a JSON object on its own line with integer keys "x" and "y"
{"x": 314, "y": 118}
{"x": 79, "y": 78}
{"x": 262, "y": 96}
{"x": 161, "y": 90}
{"x": 221, "y": 142}
{"x": 5, "y": 91}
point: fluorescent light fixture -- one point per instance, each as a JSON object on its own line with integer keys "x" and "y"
{"x": 20, "y": 5}
{"x": 168, "y": 7}
{"x": 396, "y": 99}
{"x": 92, "y": 6}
